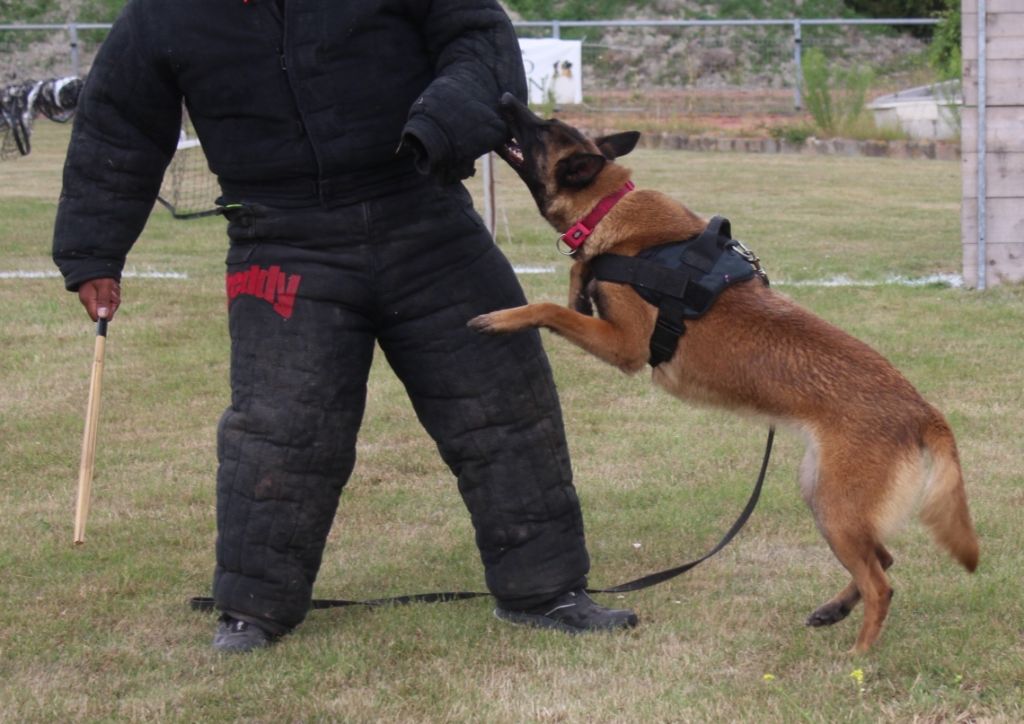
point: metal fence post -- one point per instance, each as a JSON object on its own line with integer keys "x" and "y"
{"x": 490, "y": 207}
{"x": 982, "y": 148}
{"x": 556, "y": 29}
{"x": 76, "y": 66}
{"x": 798, "y": 68}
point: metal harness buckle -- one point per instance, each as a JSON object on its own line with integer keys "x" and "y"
{"x": 749, "y": 256}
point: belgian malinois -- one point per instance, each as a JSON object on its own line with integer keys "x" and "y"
{"x": 876, "y": 449}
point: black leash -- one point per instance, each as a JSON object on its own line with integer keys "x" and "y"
{"x": 205, "y": 603}
{"x": 661, "y": 576}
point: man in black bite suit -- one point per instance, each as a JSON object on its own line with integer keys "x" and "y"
{"x": 340, "y": 133}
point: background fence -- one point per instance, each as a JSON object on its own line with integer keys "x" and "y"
{"x": 699, "y": 78}
{"x": 765, "y": 55}
{"x": 657, "y": 69}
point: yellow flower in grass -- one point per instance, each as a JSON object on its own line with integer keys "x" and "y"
{"x": 858, "y": 676}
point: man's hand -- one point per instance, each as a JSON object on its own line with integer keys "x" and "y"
{"x": 100, "y": 297}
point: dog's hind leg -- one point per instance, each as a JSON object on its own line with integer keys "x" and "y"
{"x": 840, "y": 606}
{"x": 815, "y": 488}
{"x": 836, "y": 489}
{"x": 858, "y": 555}
{"x": 850, "y": 533}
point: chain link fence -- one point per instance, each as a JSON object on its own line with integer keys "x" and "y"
{"x": 36, "y": 51}
{"x": 656, "y": 73}
{"x": 712, "y": 77}
{"x": 694, "y": 59}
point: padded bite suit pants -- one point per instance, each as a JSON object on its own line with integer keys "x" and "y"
{"x": 310, "y": 292}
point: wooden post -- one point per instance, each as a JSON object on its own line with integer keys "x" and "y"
{"x": 996, "y": 230}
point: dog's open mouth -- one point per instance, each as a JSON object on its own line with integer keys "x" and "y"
{"x": 512, "y": 152}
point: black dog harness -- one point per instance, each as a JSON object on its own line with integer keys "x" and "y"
{"x": 682, "y": 279}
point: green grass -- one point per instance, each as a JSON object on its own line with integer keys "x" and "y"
{"x": 102, "y": 632}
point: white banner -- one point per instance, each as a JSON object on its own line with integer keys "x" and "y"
{"x": 553, "y": 69}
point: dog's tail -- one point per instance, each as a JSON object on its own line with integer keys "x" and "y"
{"x": 944, "y": 506}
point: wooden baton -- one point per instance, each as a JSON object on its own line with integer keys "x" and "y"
{"x": 92, "y": 414}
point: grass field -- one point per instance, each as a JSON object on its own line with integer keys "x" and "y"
{"x": 103, "y": 633}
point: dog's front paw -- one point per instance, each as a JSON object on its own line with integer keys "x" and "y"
{"x": 492, "y": 323}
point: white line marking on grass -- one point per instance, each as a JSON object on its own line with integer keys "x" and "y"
{"x": 155, "y": 274}
{"x": 949, "y": 280}
{"x": 128, "y": 273}
{"x": 20, "y": 274}
{"x": 533, "y": 269}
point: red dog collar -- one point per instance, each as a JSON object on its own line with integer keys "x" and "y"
{"x": 578, "y": 232}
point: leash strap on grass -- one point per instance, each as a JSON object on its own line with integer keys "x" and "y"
{"x": 204, "y": 603}
{"x": 661, "y": 576}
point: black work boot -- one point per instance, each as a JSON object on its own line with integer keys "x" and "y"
{"x": 572, "y": 612}
{"x": 234, "y": 636}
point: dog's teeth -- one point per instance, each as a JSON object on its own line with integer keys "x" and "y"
{"x": 513, "y": 153}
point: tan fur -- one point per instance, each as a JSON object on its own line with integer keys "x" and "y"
{"x": 876, "y": 448}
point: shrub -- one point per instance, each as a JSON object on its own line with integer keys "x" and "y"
{"x": 797, "y": 133}
{"x": 944, "y": 51}
{"x": 835, "y": 98}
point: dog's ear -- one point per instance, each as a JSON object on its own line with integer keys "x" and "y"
{"x": 618, "y": 144}
{"x": 579, "y": 170}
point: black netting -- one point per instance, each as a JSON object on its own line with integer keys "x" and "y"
{"x": 189, "y": 189}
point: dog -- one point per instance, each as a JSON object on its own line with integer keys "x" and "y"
{"x": 876, "y": 449}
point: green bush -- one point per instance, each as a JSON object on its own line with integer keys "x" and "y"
{"x": 791, "y": 133}
{"x": 778, "y": 9}
{"x": 568, "y": 9}
{"x": 944, "y": 51}
{"x": 56, "y": 11}
{"x": 16, "y": 11}
{"x": 896, "y": 8}
{"x": 834, "y": 98}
